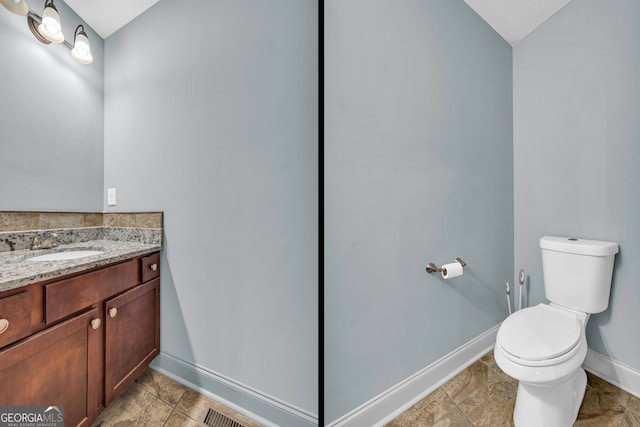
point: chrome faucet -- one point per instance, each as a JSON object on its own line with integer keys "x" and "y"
{"x": 51, "y": 241}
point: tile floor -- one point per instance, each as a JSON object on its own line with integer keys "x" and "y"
{"x": 484, "y": 396}
{"x": 155, "y": 400}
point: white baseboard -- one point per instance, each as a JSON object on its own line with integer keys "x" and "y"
{"x": 391, "y": 403}
{"x": 259, "y": 406}
{"x": 613, "y": 372}
{"x": 397, "y": 399}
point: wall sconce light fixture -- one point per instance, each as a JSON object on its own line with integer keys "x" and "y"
{"x": 19, "y": 7}
{"x": 50, "y": 28}
{"x": 47, "y": 28}
{"x": 81, "y": 51}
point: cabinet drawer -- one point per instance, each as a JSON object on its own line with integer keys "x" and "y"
{"x": 150, "y": 266}
{"x": 69, "y": 296}
{"x": 15, "y": 318}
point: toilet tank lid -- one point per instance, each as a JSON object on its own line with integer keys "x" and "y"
{"x": 578, "y": 246}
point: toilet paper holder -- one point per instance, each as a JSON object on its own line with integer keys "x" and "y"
{"x": 432, "y": 268}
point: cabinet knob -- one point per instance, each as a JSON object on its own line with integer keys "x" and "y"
{"x": 4, "y": 325}
{"x": 113, "y": 312}
{"x": 95, "y": 323}
{"x": 154, "y": 267}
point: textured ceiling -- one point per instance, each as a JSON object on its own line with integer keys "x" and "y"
{"x": 108, "y": 16}
{"x": 514, "y": 19}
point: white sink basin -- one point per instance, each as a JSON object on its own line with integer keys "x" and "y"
{"x": 61, "y": 256}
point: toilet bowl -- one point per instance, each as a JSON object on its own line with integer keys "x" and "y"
{"x": 543, "y": 347}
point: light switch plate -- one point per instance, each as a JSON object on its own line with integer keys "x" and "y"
{"x": 111, "y": 197}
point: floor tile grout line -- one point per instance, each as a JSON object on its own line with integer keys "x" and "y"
{"x": 144, "y": 390}
{"x": 169, "y": 417}
{"x": 151, "y": 389}
{"x": 455, "y": 404}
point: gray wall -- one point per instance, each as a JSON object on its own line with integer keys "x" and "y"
{"x": 215, "y": 122}
{"x": 577, "y": 151}
{"x": 51, "y": 119}
{"x": 418, "y": 168}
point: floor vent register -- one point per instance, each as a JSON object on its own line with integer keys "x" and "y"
{"x": 213, "y": 418}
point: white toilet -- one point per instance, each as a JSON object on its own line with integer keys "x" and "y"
{"x": 543, "y": 347}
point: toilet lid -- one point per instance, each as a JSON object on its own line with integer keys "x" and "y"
{"x": 539, "y": 333}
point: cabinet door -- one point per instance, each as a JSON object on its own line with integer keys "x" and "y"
{"x": 55, "y": 367}
{"x": 132, "y": 336}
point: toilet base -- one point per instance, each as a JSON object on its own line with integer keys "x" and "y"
{"x": 550, "y": 405}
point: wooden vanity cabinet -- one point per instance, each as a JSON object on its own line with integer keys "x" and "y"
{"x": 86, "y": 339}
{"x": 132, "y": 336}
{"x": 55, "y": 367}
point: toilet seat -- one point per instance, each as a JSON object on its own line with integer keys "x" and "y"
{"x": 540, "y": 335}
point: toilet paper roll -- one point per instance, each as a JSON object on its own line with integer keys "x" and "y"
{"x": 453, "y": 269}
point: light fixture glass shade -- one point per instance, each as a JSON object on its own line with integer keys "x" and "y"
{"x": 50, "y": 27}
{"x": 19, "y": 7}
{"x": 81, "y": 51}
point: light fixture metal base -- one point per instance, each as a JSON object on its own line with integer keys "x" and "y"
{"x": 33, "y": 26}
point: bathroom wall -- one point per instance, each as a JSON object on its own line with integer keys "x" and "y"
{"x": 418, "y": 169}
{"x": 211, "y": 116}
{"x": 576, "y": 151}
{"x": 51, "y": 119}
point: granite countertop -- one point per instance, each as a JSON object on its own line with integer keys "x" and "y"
{"x": 16, "y": 270}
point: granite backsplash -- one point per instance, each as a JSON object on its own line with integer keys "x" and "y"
{"x": 17, "y": 228}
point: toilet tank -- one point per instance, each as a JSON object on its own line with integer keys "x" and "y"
{"x": 577, "y": 272}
